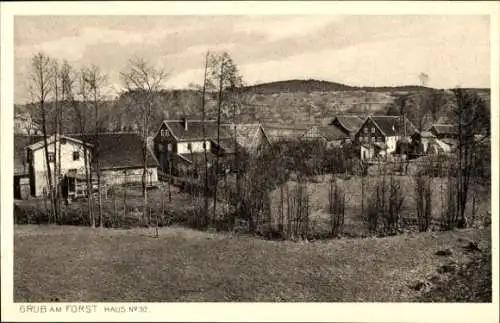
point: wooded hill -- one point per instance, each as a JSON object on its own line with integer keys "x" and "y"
{"x": 284, "y": 102}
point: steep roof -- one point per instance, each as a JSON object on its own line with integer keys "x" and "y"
{"x": 391, "y": 125}
{"x": 247, "y": 134}
{"x": 331, "y": 133}
{"x": 444, "y": 129}
{"x": 195, "y": 129}
{"x": 276, "y": 132}
{"x": 350, "y": 122}
{"x": 118, "y": 150}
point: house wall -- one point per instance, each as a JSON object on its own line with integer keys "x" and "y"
{"x": 369, "y": 133}
{"x": 40, "y": 166}
{"x": 196, "y": 146}
{"x": 126, "y": 176}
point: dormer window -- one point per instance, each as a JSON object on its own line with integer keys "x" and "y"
{"x": 365, "y": 130}
{"x": 164, "y": 132}
{"x": 373, "y": 130}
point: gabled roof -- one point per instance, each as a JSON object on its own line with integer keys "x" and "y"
{"x": 118, "y": 149}
{"x": 444, "y": 129}
{"x": 50, "y": 140}
{"x": 331, "y": 133}
{"x": 247, "y": 134}
{"x": 195, "y": 129}
{"x": 351, "y": 123}
{"x": 276, "y": 132}
{"x": 392, "y": 125}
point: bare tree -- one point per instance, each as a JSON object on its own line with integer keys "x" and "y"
{"x": 472, "y": 119}
{"x": 81, "y": 112}
{"x": 95, "y": 81}
{"x": 225, "y": 77}
{"x": 142, "y": 82}
{"x": 41, "y": 86}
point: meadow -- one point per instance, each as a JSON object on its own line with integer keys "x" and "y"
{"x": 80, "y": 264}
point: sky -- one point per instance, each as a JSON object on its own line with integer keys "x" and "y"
{"x": 355, "y": 50}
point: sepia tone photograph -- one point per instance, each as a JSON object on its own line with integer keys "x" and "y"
{"x": 247, "y": 158}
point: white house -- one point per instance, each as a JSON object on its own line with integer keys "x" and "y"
{"x": 72, "y": 159}
{"x": 379, "y": 135}
{"x": 119, "y": 157}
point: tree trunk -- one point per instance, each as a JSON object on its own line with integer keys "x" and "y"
{"x": 218, "y": 137}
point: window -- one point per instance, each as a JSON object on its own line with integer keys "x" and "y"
{"x": 160, "y": 147}
{"x": 52, "y": 157}
{"x": 190, "y": 147}
{"x": 373, "y": 129}
{"x": 365, "y": 130}
{"x": 164, "y": 132}
{"x": 169, "y": 147}
{"x": 76, "y": 155}
{"x": 63, "y": 141}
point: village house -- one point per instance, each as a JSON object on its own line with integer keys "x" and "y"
{"x": 329, "y": 136}
{"x": 348, "y": 124}
{"x": 380, "y": 135}
{"x": 180, "y": 145}
{"x": 24, "y": 124}
{"x": 119, "y": 156}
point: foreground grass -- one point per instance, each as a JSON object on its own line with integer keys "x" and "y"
{"x": 79, "y": 264}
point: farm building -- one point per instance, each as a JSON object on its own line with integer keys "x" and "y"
{"x": 349, "y": 124}
{"x": 379, "y": 135}
{"x": 280, "y": 132}
{"x": 252, "y": 137}
{"x": 119, "y": 156}
{"x": 330, "y": 136}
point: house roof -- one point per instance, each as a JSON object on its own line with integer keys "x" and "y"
{"x": 350, "y": 122}
{"x": 444, "y": 129}
{"x": 40, "y": 143}
{"x": 195, "y": 129}
{"x": 276, "y": 132}
{"x": 118, "y": 150}
{"x": 247, "y": 134}
{"x": 391, "y": 125}
{"x": 331, "y": 133}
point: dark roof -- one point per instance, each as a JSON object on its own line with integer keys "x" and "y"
{"x": 350, "y": 122}
{"x": 195, "y": 129}
{"x": 331, "y": 133}
{"x": 392, "y": 125}
{"x": 226, "y": 144}
{"x": 445, "y": 129}
{"x": 20, "y": 143}
{"x": 118, "y": 150}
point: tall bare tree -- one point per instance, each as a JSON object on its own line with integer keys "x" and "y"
{"x": 205, "y": 161}
{"x": 472, "y": 119}
{"x": 142, "y": 82}
{"x": 81, "y": 110}
{"x": 95, "y": 82}
{"x": 226, "y": 79}
{"x": 41, "y": 87}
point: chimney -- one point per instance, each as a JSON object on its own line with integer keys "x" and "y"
{"x": 185, "y": 123}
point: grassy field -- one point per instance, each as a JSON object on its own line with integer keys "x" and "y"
{"x": 318, "y": 191}
{"x": 78, "y": 264}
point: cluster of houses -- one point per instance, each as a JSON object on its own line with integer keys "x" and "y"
{"x": 179, "y": 148}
